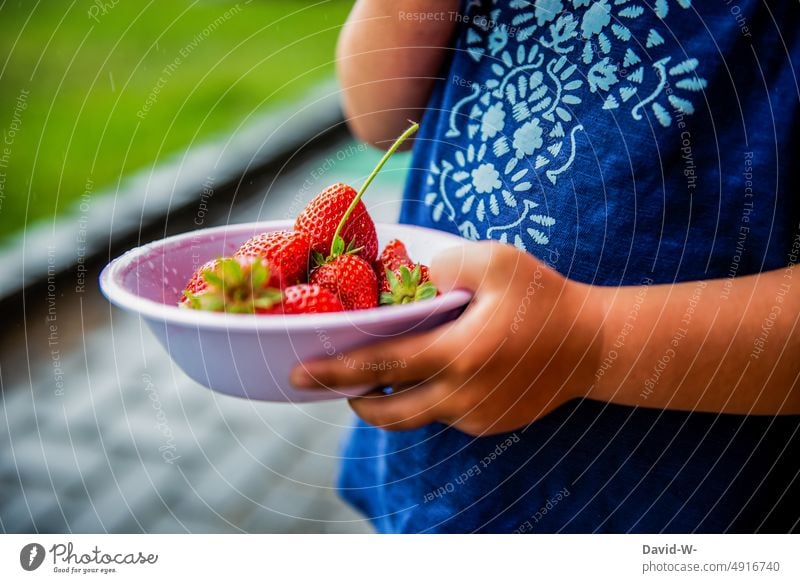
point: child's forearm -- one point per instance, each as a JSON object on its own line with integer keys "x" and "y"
{"x": 730, "y": 346}
{"x": 388, "y": 56}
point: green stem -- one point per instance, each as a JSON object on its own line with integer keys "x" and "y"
{"x": 403, "y": 137}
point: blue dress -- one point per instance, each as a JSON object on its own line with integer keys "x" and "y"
{"x": 622, "y": 142}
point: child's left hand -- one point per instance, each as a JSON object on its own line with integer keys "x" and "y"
{"x": 527, "y": 343}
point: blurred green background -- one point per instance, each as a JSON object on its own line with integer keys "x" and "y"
{"x": 93, "y": 90}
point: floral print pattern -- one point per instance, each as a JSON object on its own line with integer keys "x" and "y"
{"x": 521, "y": 125}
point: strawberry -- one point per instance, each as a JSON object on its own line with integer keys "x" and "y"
{"x": 407, "y": 284}
{"x": 351, "y": 279}
{"x": 234, "y": 284}
{"x": 424, "y": 276}
{"x": 392, "y": 257}
{"x": 343, "y": 239}
{"x": 337, "y": 220}
{"x": 307, "y": 298}
{"x": 321, "y": 216}
{"x": 197, "y": 283}
{"x": 287, "y": 252}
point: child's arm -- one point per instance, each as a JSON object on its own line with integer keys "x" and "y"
{"x": 532, "y": 339}
{"x": 388, "y": 56}
{"x": 720, "y": 345}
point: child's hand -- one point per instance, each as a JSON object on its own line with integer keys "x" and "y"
{"x": 528, "y": 342}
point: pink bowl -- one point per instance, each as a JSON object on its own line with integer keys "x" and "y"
{"x": 251, "y": 356}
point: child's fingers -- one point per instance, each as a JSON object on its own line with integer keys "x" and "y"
{"x": 393, "y": 362}
{"x": 411, "y": 408}
{"x": 461, "y": 266}
{"x": 473, "y": 265}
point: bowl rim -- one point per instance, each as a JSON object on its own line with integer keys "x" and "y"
{"x": 112, "y": 288}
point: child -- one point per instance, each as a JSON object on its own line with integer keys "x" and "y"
{"x": 629, "y": 362}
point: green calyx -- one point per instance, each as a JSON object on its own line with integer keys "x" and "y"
{"x": 407, "y": 288}
{"x": 337, "y": 248}
{"x": 397, "y": 143}
{"x": 235, "y": 288}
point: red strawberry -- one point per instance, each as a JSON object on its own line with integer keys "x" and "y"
{"x": 197, "y": 283}
{"x": 286, "y": 251}
{"x": 309, "y": 299}
{"x": 392, "y": 257}
{"x": 407, "y": 284}
{"x": 343, "y": 239}
{"x": 234, "y": 284}
{"x": 321, "y": 217}
{"x": 337, "y": 221}
{"x": 425, "y": 274}
{"x": 352, "y": 280}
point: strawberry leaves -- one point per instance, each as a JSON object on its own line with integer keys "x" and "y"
{"x": 236, "y": 286}
{"x": 337, "y": 248}
{"x": 405, "y": 286}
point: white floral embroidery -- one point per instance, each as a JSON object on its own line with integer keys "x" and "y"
{"x": 493, "y": 121}
{"x": 595, "y": 19}
{"x": 528, "y": 138}
{"x": 546, "y": 10}
{"x": 485, "y": 178}
{"x": 520, "y": 127}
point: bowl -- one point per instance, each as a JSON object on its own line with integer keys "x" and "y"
{"x": 251, "y": 356}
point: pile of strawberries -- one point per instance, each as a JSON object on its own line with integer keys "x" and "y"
{"x": 328, "y": 263}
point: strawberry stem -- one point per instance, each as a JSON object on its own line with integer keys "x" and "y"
{"x": 403, "y": 137}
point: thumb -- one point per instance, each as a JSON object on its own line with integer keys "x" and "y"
{"x": 464, "y": 266}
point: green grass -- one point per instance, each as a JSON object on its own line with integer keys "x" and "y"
{"x": 88, "y": 82}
